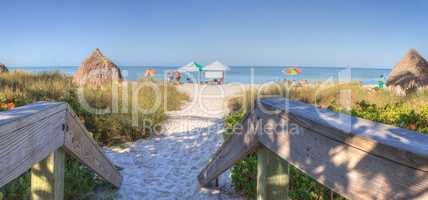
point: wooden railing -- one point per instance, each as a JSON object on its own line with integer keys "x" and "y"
{"x": 357, "y": 158}
{"x": 36, "y": 137}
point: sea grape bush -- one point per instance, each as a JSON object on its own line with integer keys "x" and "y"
{"x": 399, "y": 115}
{"x": 230, "y": 121}
{"x": 244, "y": 176}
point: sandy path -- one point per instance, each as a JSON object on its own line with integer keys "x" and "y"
{"x": 166, "y": 166}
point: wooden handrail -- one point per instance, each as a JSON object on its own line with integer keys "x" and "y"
{"x": 31, "y": 133}
{"x": 234, "y": 149}
{"x": 357, "y": 158}
{"x": 79, "y": 144}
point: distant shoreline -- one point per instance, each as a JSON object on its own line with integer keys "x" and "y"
{"x": 239, "y": 66}
{"x": 247, "y": 75}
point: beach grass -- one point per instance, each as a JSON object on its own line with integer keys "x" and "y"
{"x": 351, "y": 98}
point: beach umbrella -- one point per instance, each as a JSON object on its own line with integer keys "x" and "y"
{"x": 192, "y": 67}
{"x": 409, "y": 74}
{"x": 200, "y": 69}
{"x": 216, "y": 66}
{"x": 292, "y": 71}
{"x": 149, "y": 72}
{"x": 199, "y": 66}
{"x": 93, "y": 70}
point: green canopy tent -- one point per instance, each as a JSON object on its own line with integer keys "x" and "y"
{"x": 193, "y": 67}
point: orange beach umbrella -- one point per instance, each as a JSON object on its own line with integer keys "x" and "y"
{"x": 150, "y": 72}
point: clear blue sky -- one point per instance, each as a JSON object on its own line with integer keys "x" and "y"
{"x": 237, "y": 32}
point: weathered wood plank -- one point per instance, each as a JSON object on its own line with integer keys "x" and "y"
{"x": 353, "y": 172}
{"x": 47, "y": 177}
{"x": 28, "y": 114}
{"x": 28, "y": 135}
{"x": 79, "y": 144}
{"x": 272, "y": 176}
{"x": 400, "y": 145}
{"x": 240, "y": 144}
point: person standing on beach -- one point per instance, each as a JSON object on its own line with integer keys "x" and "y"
{"x": 170, "y": 76}
{"x": 381, "y": 82}
{"x": 177, "y": 76}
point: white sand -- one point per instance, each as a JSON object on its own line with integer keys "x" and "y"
{"x": 166, "y": 166}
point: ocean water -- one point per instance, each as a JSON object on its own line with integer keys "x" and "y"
{"x": 261, "y": 74}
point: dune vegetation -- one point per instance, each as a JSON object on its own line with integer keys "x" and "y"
{"x": 113, "y": 114}
{"x": 409, "y": 112}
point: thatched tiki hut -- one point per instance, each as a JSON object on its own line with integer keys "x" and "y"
{"x": 3, "y": 68}
{"x": 408, "y": 75}
{"x": 97, "y": 70}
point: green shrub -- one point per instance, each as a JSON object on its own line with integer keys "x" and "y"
{"x": 18, "y": 188}
{"x": 230, "y": 121}
{"x": 399, "y": 114}
{"x": 244, "y": 176}
{"x": 78, "y": 180}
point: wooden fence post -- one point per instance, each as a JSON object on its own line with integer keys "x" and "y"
{"x": 47, "y": 177}
{"x": 272, "y": 176}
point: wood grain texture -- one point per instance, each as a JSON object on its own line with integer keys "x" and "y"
{"x": 28, "y": 135}
{"x": 47, "y": 177}
{"x": 272, "y": 176}
{"x": 348, "y": 169}
{"x": 397, "y": 144}
{"x": 235, "y": 148}
{"x": 29, "y": 114}
{"x": 80, "y": 145}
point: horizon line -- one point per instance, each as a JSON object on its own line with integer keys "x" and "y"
{"x": 243, "y": 66}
